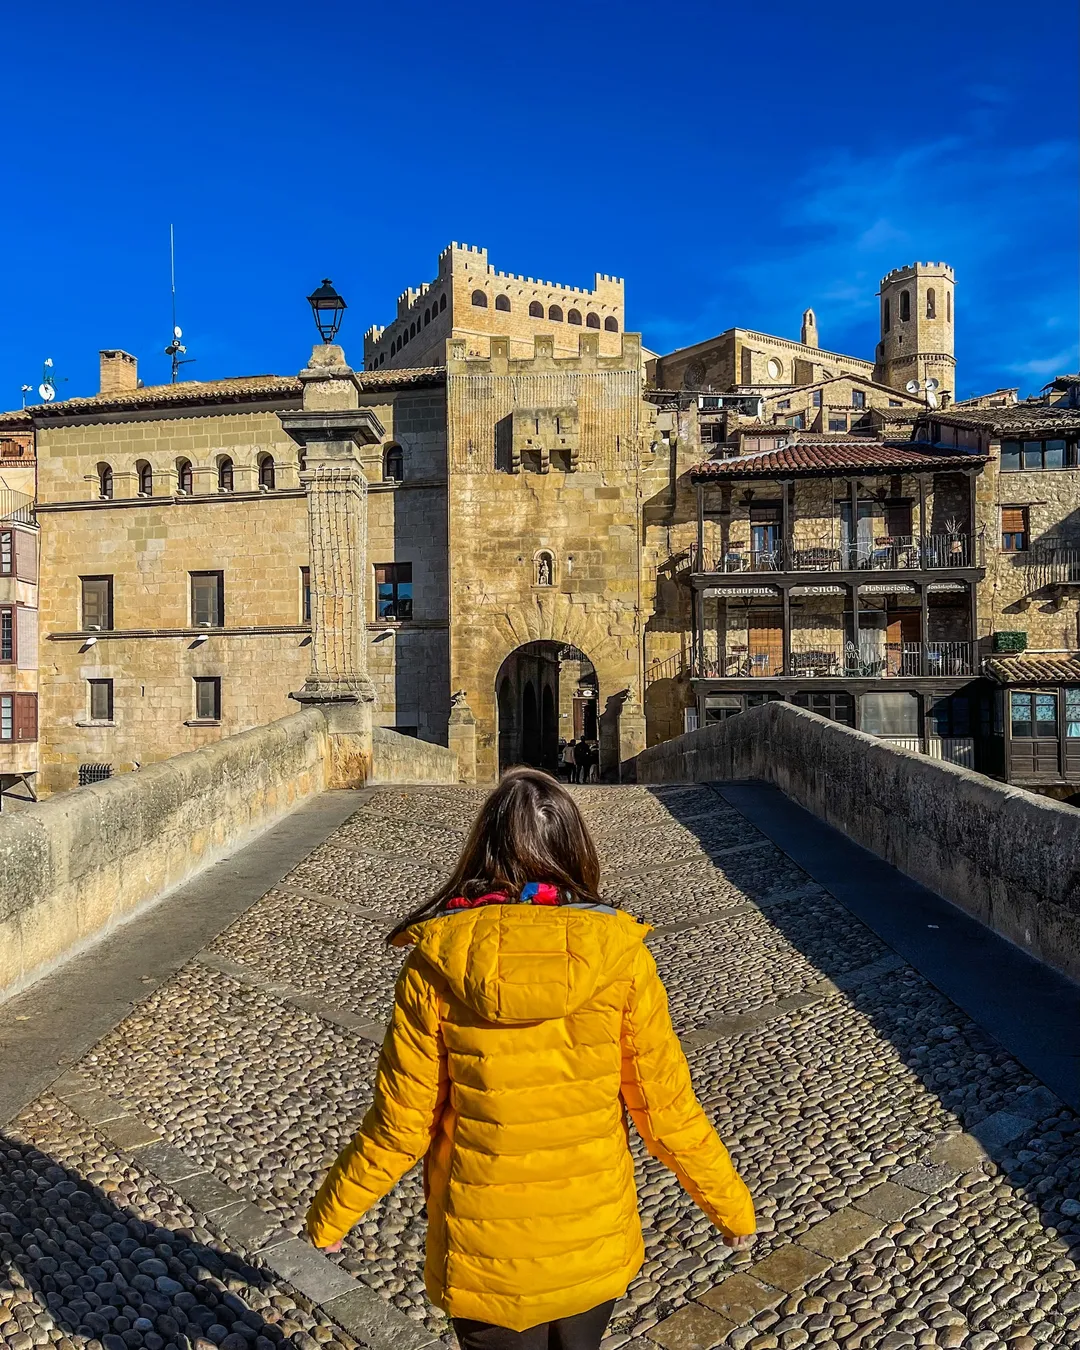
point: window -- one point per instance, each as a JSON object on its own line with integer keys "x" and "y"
{"x": 838, "y": 422}
{"x": 775, "y": 368}
{"x": 502, "y": 302}
{"x": 952, "y": 716}
{"x": 393, "y": 590}
{"x": 97, "y": 603}
{"x": 94, "y": 773}
{"x": 554, "y": 312}
{"x": 931, "y": 304}
{"x": 905, "y": 306}
{"x": 817, "y": 398}
{"x": 887, "y": 321}
{"x": 183, "y": 477}
{"x": 7, "y": 633}
{"x": 784, "y": 404}
{"x": 207, "y": 599}
{"x": 948, "y": 306}
{"x": 895, "y": 403}
{"x": 890, "y": 714}
{"x": 207, "y": 699}
{"x": 592, "y": 320}
{"x": 611, "y": 324}
{"x": 427, "y": 317}
{"x": 858, "y": 398}
{"x": 412, "y": 330}
{"x": 536, "y": 310}
{"x": 479, "y": 299}
{"x": 836, "y": 707}
{"x": 266, "y": 473}
{"x": 1034, "y": 716}
{"x": 393, "y": 464}
{"x": 305, "y": 595}
{"x": 105, "y": 482}
{"x": 7, "y": 553}
{"x": 795, "y": 420}
{"x": 100, "y": 700}
{"x": 146, "y": 479}
{"x": 225, "y": 474}
{"x": 1072, "y": 713}
{"x": 574, "y": 316}
{"x": 7, "y": 717}
{"x": 442, "y": 303}
{"x": 1014, "y": 528}
{"x": 1053, "y": 454}
{"x": 719, "y": 707}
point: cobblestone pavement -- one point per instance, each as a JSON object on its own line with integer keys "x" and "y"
{"x": 916, "y": 1187}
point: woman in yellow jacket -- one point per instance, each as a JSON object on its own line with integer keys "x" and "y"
{"x": 529, "y": 1018}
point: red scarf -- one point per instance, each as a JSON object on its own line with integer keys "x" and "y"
{"x": 534, "y": 893}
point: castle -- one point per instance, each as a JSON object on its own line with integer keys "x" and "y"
{"x": 573, "y": 536}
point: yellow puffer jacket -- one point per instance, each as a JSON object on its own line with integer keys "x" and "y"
{"x": 519, "y": 1032}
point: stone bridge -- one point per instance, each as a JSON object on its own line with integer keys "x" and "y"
{"x": 897, "y": 1084}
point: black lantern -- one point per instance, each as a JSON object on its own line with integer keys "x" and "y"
{"x": 327, "y": 307}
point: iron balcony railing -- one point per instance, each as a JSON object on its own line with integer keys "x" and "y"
{"x": 16, "y": 506}
{"x": 1052, "y": 564}
{"x": 886, "y": 553}
{"x": 843, "y": 660}
{"x": 671, "y": 668}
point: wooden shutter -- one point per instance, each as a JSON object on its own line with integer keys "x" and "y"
{"x": 26, "y": 721}
{"x": 1013, "y": 519}
{"x": 765, "y": 636}
{"x": 26, "y": 637}
{"x": 26, "y": 555}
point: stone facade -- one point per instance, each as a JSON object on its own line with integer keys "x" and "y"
{"x": 471, "y": 301}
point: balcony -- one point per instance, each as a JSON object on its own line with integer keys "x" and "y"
{"x": 1051, "y": 564}
{"x": 886, "y": 553}
{"x": 843, "y": 660}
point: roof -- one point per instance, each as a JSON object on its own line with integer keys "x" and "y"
{"x": 789, "y": 390}
{"x": 1063, "y": 382}
{"x": 240, "y": 389}
{"x": 16, "y": 420}
{"x": 1016, "y": 418}
{"x": 1035, "y": 669}
{"x": 816, "y": 456}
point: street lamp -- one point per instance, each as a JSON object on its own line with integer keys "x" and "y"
{"x": 327, "y": 307}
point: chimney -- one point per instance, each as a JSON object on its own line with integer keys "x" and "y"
{"x": 809, "y": 329}
{"x": 119, "y": 372}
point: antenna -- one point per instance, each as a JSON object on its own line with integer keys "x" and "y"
{"x": 175, "y": 347}
{"x": 47, "y": 388}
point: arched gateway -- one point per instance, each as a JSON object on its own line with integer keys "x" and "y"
{"x": 547, "y": 693}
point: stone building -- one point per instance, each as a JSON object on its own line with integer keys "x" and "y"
{"x": 18, "y": 609}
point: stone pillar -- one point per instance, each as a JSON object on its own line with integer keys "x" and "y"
{"x": 329, "y": 429}
{"x": 461, "y": 737}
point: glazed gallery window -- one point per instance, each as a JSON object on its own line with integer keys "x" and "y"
{"x": 7, "y": 633}
{"x": 100, "y": 700}
{"x": 305, "y": 595}
{"x": 207, "y": 599}
{"x": 1055, "y": 454}
{"x": 1034, "y": 716}
{"x": 1072, "y": 713}
{"x": 836, "y": 707}
{"x": 7, "y": 552}
{"x": 890, "y": 714}
{"x": 393, "y": 590}
{"x": 207, "y": 699}
{"x": 1014, "y": 529}
{"x": 97, "y": 603}
{"x": 7, "y": 717}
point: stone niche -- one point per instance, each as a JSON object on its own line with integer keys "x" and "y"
{"x": 542, "y": 439}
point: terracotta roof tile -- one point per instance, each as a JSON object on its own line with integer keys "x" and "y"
{"x": 1015, "y": 419}
{"x": 811, "y": 456}
{"x": 1035, "y": 669}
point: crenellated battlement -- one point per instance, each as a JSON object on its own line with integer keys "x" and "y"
{"x": 916, "y": 269}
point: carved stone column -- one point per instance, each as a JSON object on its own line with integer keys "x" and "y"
{"x": 461, "y": 737}
{"x": 330, "y": 428}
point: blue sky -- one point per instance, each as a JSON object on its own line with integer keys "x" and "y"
{"x": 734, "y": 162}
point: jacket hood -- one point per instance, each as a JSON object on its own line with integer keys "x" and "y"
{"x": 527, "y": 963}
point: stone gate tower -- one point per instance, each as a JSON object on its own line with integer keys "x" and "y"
{"x": 917, "y": 304}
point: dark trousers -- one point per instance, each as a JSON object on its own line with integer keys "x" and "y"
{"x": 584, "y": 1331}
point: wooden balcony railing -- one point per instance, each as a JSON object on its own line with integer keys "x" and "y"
{"x": 892, "y": 553}
{"x": 843, "y": 660}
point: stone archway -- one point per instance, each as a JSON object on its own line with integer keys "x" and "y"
{"x": 546, "y": 695}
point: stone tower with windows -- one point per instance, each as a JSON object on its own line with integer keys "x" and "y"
{"x": 917, "y": 304}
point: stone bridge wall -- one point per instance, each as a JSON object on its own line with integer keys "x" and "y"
{"x": 1008, "y": 857}
{"x": 77, "y": 865}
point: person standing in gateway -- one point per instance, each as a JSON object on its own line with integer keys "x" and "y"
{"x": 529, "y": 1018}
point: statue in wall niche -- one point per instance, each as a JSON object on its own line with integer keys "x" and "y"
{"x": 544, "y": 570}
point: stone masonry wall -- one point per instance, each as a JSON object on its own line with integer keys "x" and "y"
{"x": 1006, "y": 856}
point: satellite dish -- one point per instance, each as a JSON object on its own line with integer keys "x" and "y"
{"x": 912, "y": 386}
{"x": 931, "y": 385}
{"x": 177, "y": 332}
{"x": 46, "y": 393}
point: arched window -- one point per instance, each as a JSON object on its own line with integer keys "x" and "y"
{"x": 479, "y": 299}
{"x": 592, "y": 320}
{"x": 183, "y": 477}
{"x": 225, "y": 474}
{"x": 442, "y": 303}
{"x": 948, "y": 306}
{"x": 301, "y": 462}
{"x": 574, "y": 316}
{"x": 105, "y": 483}
{"x": 931, "y": 304}
{"x": 886, "y": 322}
{"x": 554, "y": 312}
{"x": 427, "y": 317}
{"x": 146, "y": 478}
{"x": 536, "y": 310}
{"x": 266, "y": 472}
{"x": 905, "y": 306}
{"x": 611, "y": 324}
{"x": 412, "y": 330}
{"x": 393, "y": 464}
{"x": 544, "y": 568}
{"x": 503, "y": 302}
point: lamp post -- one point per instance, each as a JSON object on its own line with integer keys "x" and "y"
{"x": 328, "y": 308}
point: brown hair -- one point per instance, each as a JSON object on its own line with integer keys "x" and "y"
{"x": 529, "y": 829}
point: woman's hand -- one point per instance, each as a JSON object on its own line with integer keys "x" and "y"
{"x": 739, "y": 1241}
